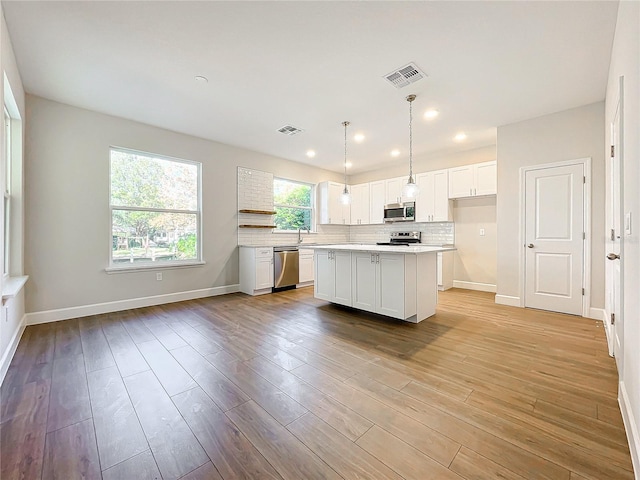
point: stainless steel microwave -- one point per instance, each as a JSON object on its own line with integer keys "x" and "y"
{"x": 400, "y": 212}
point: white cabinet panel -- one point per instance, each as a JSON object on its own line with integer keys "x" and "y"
{"x": 342, "y": 265}
{"x": 333, "y": 276}
{"x": 432, "y": 205}
{"x": 264, "y": 273}
{"x": 363, "y": 269}
{"x": 256, "y": 270}
{"x": 393, "y": 190}
{"x": 377, "y": 200}
{"x": 390, "y": 299}
{"x": 360, "y": 204}
{"x": 473, "y": 180}
{"x": 330, "y": 209}
{"x": 305, "y": 265}
{"x": 324, "y": 275}
{"x": 445, "y": 270}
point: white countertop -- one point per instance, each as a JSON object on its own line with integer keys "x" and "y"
{"x": 382, "y": 248}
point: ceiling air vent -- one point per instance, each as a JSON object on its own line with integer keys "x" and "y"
{"x": 290, "y": 130}
{"x": 404, "y": 76}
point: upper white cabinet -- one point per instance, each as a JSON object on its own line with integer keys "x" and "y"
{"x": 360, "y": 204}
{"x": 393, "y": 190}
{"x": 432, "y": 205}
{"x": 330, "y": 209}
{"x": 377, "y": 200}
{"x": 473, "y": 180}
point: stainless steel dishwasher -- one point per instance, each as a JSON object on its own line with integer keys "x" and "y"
{"x": 286, "y": 267}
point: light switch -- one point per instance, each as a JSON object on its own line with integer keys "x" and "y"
{"x": 627, "y": 223}
{"x": 482, "y": 232}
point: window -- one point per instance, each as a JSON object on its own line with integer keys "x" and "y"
{"x": 155, "y": 210}
{"x": 7, "y": 190}
{"x": 293, "y": 202}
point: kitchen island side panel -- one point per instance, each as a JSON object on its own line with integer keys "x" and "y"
{"x": 426, "y": 281}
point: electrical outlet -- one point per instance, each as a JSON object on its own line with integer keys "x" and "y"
{"x": 482, "y": 232}
{"x": 159, "y": 276}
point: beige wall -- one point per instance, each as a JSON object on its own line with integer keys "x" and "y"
{"x": 475, "y": 260}
{"x": 625, "y": 61}
{"x": 11, "y": 316}
{"x": 567, "y": 135}
{"x": 67, "y": 206}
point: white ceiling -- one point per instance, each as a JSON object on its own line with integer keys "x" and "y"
{"x": 315, "y": 64}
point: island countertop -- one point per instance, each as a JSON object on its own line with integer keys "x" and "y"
{"x": 411, "y": 249}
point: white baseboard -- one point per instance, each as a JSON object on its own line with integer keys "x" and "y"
{"x": 482, "y": 287}
{"x": 598, "y": 314}
{"x": 11, "y": 348}
{"x": 98, "y": 308}
{"x": 631, "y": 427}
{"x": 508, "y": 300}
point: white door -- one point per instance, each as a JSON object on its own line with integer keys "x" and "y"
{"x": 363, "y": 269}
{"x": 394, "y": 190}
{"x": 342, "y": 278}
{"x": 324, "y": 274}
{"x": 390, "y": 285}
{"x": 461, "y": 181}
{"x": 554, "y": 225}
{"x": 486, "y": 178}
{"x": 264, "y": 272}
{"x": 441, "y": 196}
{"x": 614, "y": 264}
{"x": 424, "y": 201}
{"x": 376, "y": 202}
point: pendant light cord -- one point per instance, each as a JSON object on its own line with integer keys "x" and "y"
{"x": 345, "y": 123}
{"x": 411, "y": 98}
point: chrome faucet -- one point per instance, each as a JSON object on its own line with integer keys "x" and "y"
{"x": 300, "y": 231}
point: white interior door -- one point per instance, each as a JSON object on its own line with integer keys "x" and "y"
{"x": 614, "y": 273}
{"x": 554, "y": 226}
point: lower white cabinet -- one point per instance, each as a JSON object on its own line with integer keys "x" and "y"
{"x": 333, "y": 276}
{"x": 305, "y": 266}
{"x": 378, "y": 283}
{"x": 445, "y": 270}
{"x": 256, "y": 270}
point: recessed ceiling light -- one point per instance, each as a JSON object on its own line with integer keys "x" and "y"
{"x": 358, "y": 137}
{"x": 348, "y": 164}
{"x": 201, "y": 79}
{"x": 429, "y": 114}
{"x": 460, "y": 137}
{"x": 311, "y": 153}
{"x": 395, "y": 153}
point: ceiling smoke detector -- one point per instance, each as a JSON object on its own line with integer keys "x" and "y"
{"x": 290, "y": 130}
{"x": 405, "y": 76}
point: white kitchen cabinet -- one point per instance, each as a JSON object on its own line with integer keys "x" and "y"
{"x": 333, "y": 276}
{"x": 473, "y": 180}
{"x": 377, "y": 201}
{"x": 256, "y": 270}
{"x": 378, "y": 282}
{"x": 360, "y": 204}
{"x": 432, "y": 204}
{"x": 305, "y": 266}
{"x": 330, "y": 209}
{"x": 393, "y": 190}
{"x": 445, "y": 270}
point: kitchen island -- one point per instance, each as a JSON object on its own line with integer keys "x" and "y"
{"x": 393, "y": 280}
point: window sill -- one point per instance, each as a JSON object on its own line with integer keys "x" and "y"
{"x": 12, "y": 287}
{"x": 295, "y": 232}
{"x": 147, "y": 267}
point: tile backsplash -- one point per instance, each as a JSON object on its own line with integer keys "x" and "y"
{"x": 255, "y": 192}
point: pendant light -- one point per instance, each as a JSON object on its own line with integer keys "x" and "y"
{"x": 345, "y": 196}
{"x": 410, "y": 189}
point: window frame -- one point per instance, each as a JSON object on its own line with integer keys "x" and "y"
{"x": 6, "y": 190}
{"x": 311, "y": 208}
{"x": 121, "y": 267}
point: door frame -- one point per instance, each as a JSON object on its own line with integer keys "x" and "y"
{"x": 586, "y": 245}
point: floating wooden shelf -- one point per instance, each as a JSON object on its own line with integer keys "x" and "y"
{"x": 258, "y": 212}
{"x": 256, "y": 226}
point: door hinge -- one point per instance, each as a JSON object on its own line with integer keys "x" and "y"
{"x": 584, "y": 179}
{"x": 613, "y": 151}
{"x": 613, "y": 319}
{"x": 583, "y": 291}
{"x": 584, "y": 235}
{"x": 613, "y": 234}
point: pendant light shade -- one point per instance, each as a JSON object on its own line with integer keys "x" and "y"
{"x": 345, "y": 196}
{"x": 410, "y": 189}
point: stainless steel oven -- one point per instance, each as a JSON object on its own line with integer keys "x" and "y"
{"x": 286, "y": 267}
{"x": 400, "y": 212}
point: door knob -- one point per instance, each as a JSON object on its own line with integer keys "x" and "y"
{"x": 613, "y": 256}
{"x": 530, "y": 245}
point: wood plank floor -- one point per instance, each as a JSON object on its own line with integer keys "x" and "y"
{"x": 284, "y": 386}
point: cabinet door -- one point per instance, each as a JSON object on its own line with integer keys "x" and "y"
{"x": 323, "y": 275}
{"x": 363, "y": 269}
{"x": 486, "y": 179}
{"x": 342, "y": 278}
{"x": 264, "y": 273}
{"x": 393, "y": 192}
{"x": 390, "y": 285}
{"x": 424, "y": 202}
{"x": 441, "y": 208}
{"x": 377, "y": 199}
{"x": 305, "y": 267}
{"x": 461, "y": 181}
{"x": 360, "y": 204}
{"x": 334, "y": 207}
